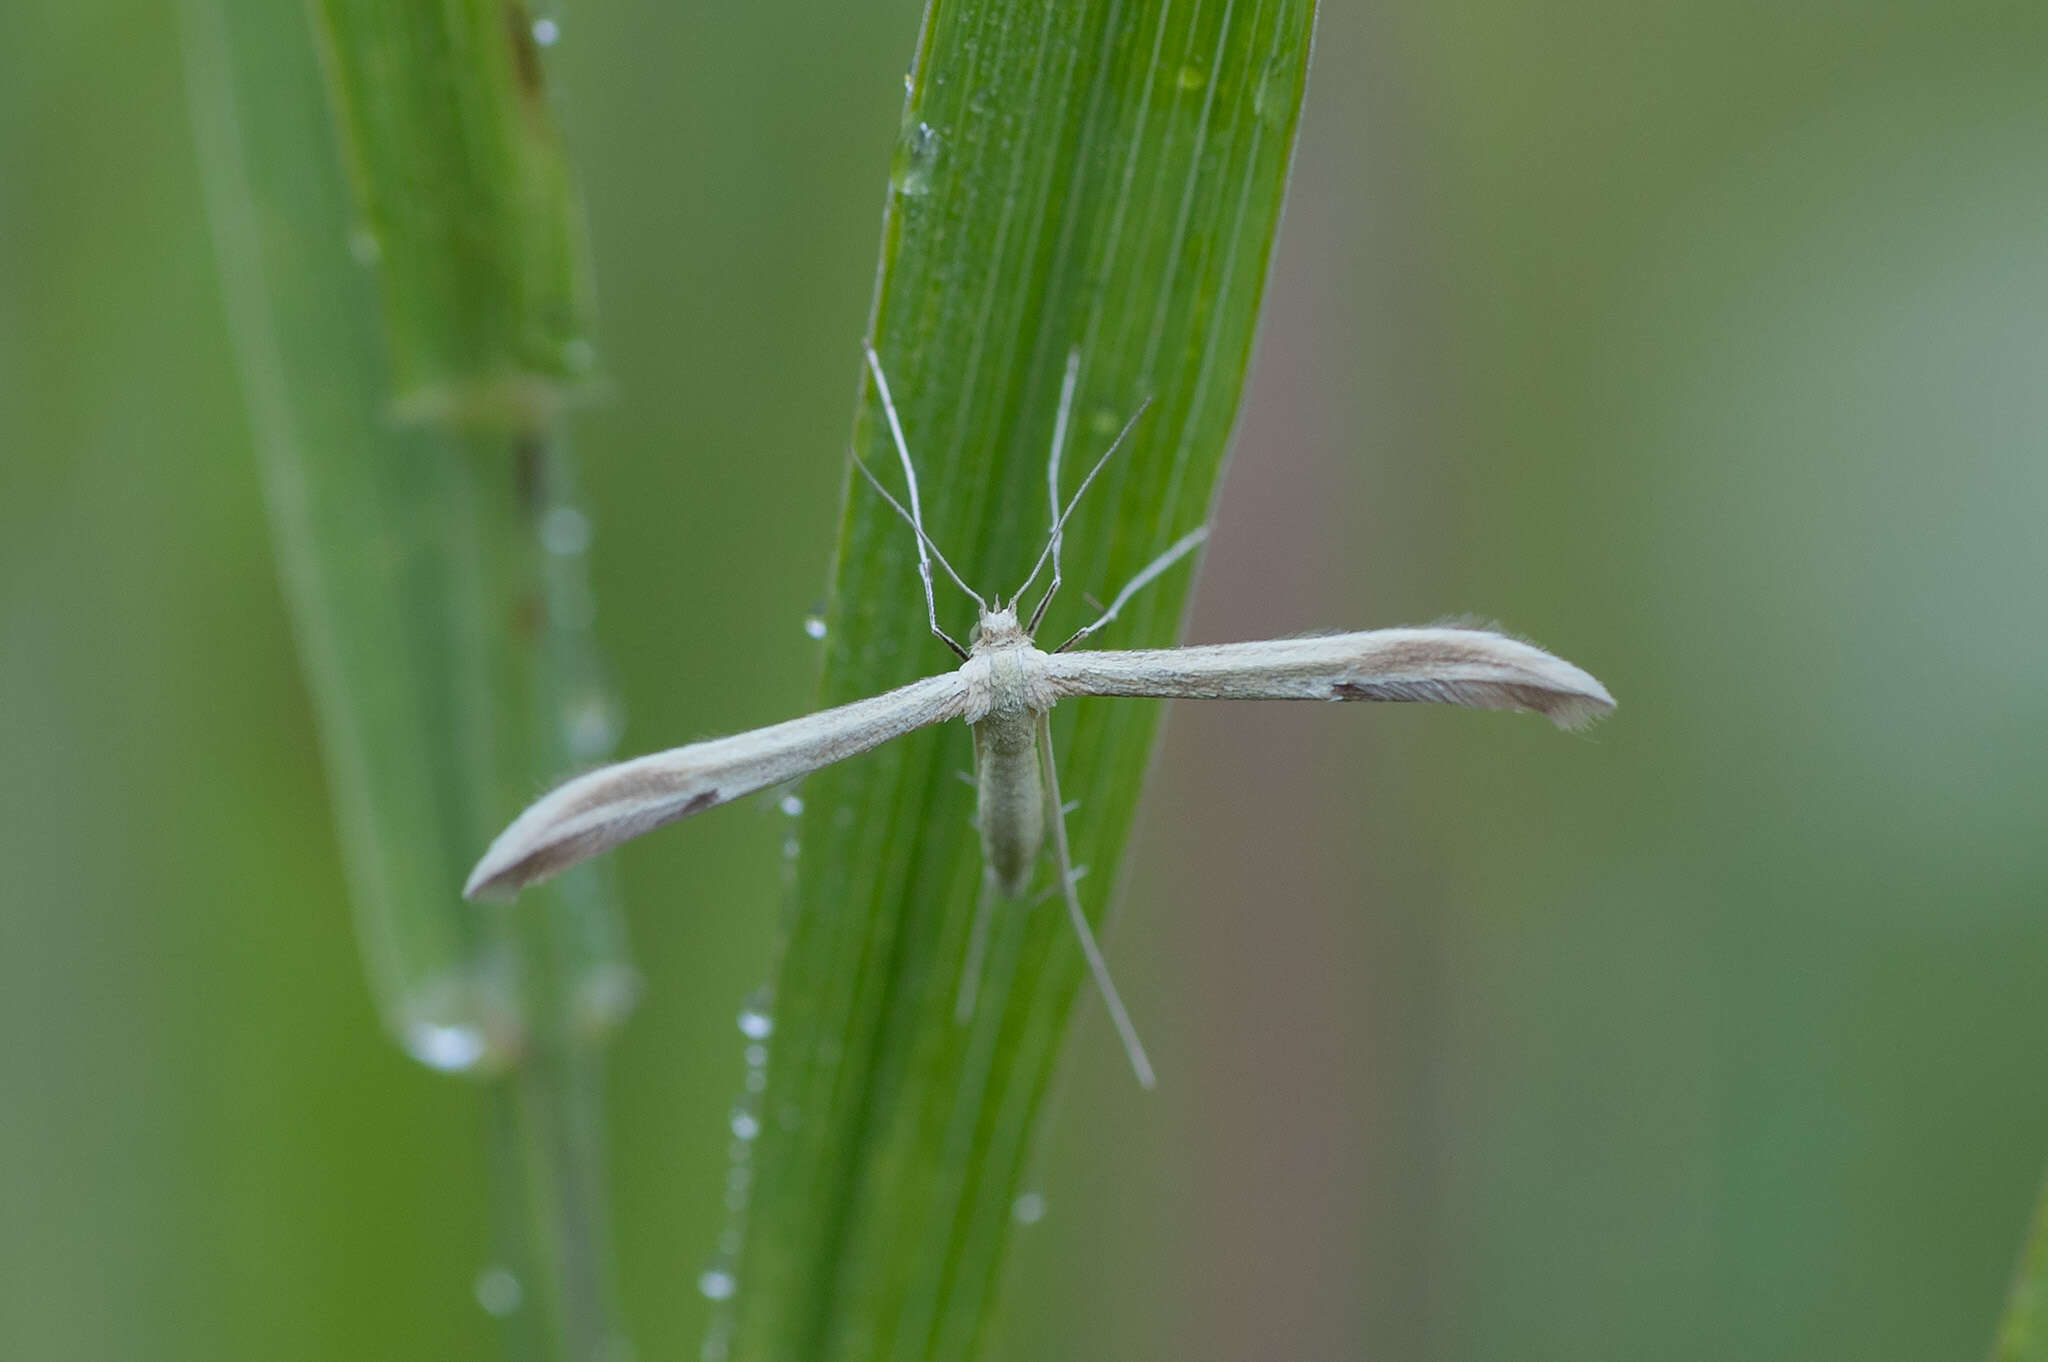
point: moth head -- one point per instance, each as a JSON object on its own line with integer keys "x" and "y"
{"x": 998, "y": 628}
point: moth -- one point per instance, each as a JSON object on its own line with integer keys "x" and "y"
{"x": 1005, "y": 689}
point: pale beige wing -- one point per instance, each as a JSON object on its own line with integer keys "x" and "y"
{"x": 1450, "y": 666}
{"x": 599, "y": 809}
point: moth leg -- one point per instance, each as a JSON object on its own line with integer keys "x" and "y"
{"x": 1063, "y": 863}
{"x": 1080, "y": 874}
{"x": 977, "y": 950}
{"x": 1179, "y": 549}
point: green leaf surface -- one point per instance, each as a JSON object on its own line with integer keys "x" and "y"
{"x": 1099, "y": 175}
{"x": 465, "y": 205}
{"x": 435, "y": 578}
{"x": 2023, "y": 1333}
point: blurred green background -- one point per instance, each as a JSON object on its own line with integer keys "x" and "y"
{"x": 1703, "y": 342}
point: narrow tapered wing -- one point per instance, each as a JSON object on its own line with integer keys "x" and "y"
{"x": 601, "y": 808}
{"x": 1449, "y": 666}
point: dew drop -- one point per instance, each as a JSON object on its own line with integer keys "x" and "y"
{"x": 745, "y": 1125}
{"x": 910, "y": 166}
{"x": 546, "y": 32}
{"x": 450, "y": 1049}
{"x": 604, "y": 996}
{"x": 460, "y": 1020}
{"x": 364, "y": 248}
{"x": 790, "y": 848}
{"x": 755, "y": 1020}
{"x": 1270, "y": 99}
{"x": 791, "y": 804}
{"x": 498, "y": 1291}
{"x": 565, "y": 531}
{"x": 717, "y": 1284}
{"x": 757, "y": 1080}
{"x": 814, "y": 625}
{"x": 591, "y": 723}
{"x": 757, "y": 1056}
{"x": 1028, "y": 1209}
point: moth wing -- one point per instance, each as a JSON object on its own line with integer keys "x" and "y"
{"x": 1472, "y": 667}
{"x": 599, "y": 809}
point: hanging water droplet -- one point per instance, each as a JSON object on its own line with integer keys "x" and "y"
{"x": 791, "y": 804}
{"x": 814, "y": 624}
{"x": 1028, "y": 1209}
{"x": 717, "y": 1284}
{"x": 451, "y": 1049}
{"x": 546, "y": 32}
{"x": 364, "y": 247}
{"x": 757, "y": 1056}
{"x": 755, "y": 1020}
{"x": 605, "y": 994}
{"x": 910, "y": 166}
{"x": 757, "y": 1080}
{"x": 565, "y": 531}
{"x": 1271, "y": 98}
{"x": 461, "y": 1019}
{"x": 790, "y": 848}
{"x": 591, "y": 723}
{"x": 498, "y": 1291}
{"x": 745, "y": 1125}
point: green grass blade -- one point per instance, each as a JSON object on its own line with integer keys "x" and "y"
{"x": 1102, "y": 175}
{"x": 2023, "y": 1333}
{"x": 465, "y": 202}
{"x": 435, "y": 582}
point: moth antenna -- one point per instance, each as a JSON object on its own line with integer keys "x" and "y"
{"x": 1052, "y": 481}
{"x": 926, "y": 550}
{"x": 1060, "y": 523}
{"x": 924, "y": 546}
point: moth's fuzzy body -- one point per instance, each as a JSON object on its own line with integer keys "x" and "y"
{"x": 1008, "y": 689}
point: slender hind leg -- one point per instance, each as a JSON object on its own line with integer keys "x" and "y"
{"x": 977, "y": 950}
{"x": 1179, "y": 549}
{"x": 1133, "y": 1047}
